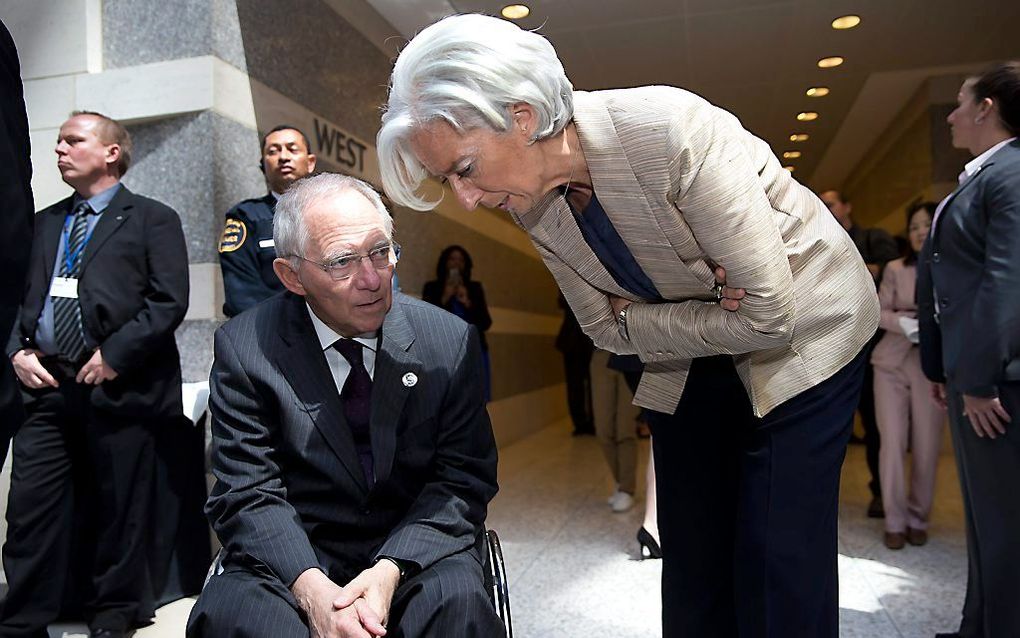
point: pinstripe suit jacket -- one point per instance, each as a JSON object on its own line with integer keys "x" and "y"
{"x": 687, "y": 187}
{"x": 290, "y": 493}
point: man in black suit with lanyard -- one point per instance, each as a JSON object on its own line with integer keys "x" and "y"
{"x": 95, "y": 353}
{"x": 353, "y": 455}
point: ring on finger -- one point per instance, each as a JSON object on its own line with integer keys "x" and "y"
{"x": 718, "y": 290}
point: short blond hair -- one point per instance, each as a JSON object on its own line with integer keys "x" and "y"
{"x": 110, "y": 131}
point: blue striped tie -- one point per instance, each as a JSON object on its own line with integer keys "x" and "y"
{"x": 67, "y": 326}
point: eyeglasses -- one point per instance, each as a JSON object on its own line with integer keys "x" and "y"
{"x": 345, "y": 266}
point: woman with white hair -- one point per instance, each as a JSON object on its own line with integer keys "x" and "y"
{"x": 674, "y": 234}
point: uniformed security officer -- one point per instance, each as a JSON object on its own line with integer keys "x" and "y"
{"x": 246, "y": 246}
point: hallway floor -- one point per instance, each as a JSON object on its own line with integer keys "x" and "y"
{"x": 574, "y": 571}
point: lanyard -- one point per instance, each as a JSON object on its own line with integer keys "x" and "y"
{"x": 69, "y": 257}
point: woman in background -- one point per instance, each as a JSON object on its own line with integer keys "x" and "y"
{"x": 455, "y": 291}
{"x": 907, "y": 414}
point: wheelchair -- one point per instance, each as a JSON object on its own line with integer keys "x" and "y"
{"x": 493, "y": 574}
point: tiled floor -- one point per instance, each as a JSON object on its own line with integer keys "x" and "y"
{"x": 573, "y": 569}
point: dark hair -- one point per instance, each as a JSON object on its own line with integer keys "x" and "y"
{"x": 110, "y": 131}
{"x": 839, "y": 195}
{"x": 1001, "y": 83}
{"x": 441, "y": 270}
{"x": 285, "y": 127}
{"x": 911, "y": 256}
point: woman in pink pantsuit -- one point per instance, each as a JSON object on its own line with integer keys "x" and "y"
{"x": 905, "y": 409}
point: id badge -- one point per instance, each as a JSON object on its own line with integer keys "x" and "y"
{"x": 66, "y": 287}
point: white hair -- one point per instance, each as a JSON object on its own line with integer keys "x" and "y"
{"x": 290, "y": 233}
{"x": 466, "y": 70}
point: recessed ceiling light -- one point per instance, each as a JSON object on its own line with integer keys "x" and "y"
{"x": 829, "y": 62}
{"x": 790, "y": 168}
{"x": 818, "y": 91}
{"x": 846, "y": 22}
{"x": 807, "y": 116}
{"x": 799, "y": 137}
{"x": 515, "y": 11}
{"x": 791, "y": 154}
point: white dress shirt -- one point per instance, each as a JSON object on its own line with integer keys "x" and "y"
{"x": 338, "y": 365}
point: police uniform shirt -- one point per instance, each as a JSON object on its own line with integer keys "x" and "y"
{"x": 45, "y": 339}
{"x": 246, "y": 255}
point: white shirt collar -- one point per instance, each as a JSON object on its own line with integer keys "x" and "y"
{"x": 975, "y": 164}
{"x": 275, "y": 195}
{"x": 327, "y": 336}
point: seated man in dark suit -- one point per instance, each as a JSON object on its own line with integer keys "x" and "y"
{"x": 353, "y": 455}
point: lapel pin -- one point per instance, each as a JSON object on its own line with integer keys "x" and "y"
{"x": 410, "y": 379}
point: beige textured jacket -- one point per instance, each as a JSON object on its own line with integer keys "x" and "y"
{"x": 686, "y": 186}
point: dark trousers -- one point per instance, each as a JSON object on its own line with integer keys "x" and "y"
{"x": 577, "y": 370}
{"x": 747, "y": 506}
{"x": 989, "y": 472}
{"x": 78, "y": 514}
{"x": 446, "y": 600}
{"x": 866, "y": 408}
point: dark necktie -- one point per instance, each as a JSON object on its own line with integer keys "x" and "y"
{"x": 356, "y": 398}
{"x": 67, "y": 325}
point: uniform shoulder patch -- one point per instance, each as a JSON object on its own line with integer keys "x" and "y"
{"x": 234, "y": 234}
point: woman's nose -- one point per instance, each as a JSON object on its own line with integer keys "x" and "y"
{"x": 467, "y": 195}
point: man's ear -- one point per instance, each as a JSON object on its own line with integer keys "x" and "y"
{"x": 311, "y": 163}
{"x": 113, "y": 155}
{"x": 288, "y": 276}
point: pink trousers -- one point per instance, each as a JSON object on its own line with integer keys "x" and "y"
{"x": 907, "y": 415}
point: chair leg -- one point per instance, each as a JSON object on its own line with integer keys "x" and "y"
{"x": 500, "y": 588}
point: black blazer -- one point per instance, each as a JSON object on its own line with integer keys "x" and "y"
{"x": 15, "y": 184}
{"x": 973, "y": 260}
{"x": 477, "y": 315}
{"x": 133, "y": 291}
{"x": 290, "y": 493}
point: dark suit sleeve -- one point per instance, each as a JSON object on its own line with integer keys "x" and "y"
{"x": 450, "y": 510}
{"x": 993, "y": 336}
{"x": 248, "y": 505}
{"x": 881, "y": 247}
{"x": 166, "y": 301}
{"x": 930, "y": 334}
{"x": 431, "y": 292}
{"x": 243, "y": 286}
{"x": 15, "y": 184}
{"x": 479, "y": 312}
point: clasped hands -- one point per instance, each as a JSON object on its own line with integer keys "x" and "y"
{"x": 359, "y": 610}
{"x": 34, "y": 375}
{"x": 730, "y": 299}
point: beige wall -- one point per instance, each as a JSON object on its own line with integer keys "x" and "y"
{"x": 912, "y": 161}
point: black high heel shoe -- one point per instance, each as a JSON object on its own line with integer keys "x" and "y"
{"x": 649, "y": 548}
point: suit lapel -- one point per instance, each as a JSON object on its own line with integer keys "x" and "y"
{"x": 389, "y": 391}
{"x": 50, "y": 227}
{"x": 304, "y": 364}
{"x": 116, "y": 213}
{"x": 624, "y": 200}
{"x": 555, "y": 226}
{"x": 944, "y": 215}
